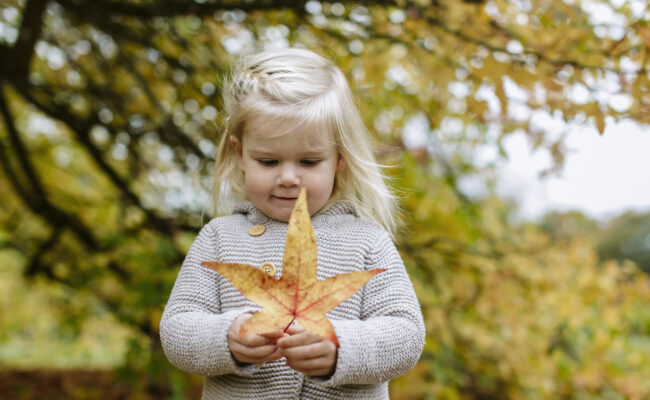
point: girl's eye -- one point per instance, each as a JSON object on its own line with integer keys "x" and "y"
{"x": 309, "y": 162}
{"x": 267, "y": 162}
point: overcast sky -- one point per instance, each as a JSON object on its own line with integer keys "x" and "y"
{"x": 603, "y": 176}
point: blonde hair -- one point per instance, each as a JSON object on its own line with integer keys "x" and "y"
{"x": 299, "y": 85}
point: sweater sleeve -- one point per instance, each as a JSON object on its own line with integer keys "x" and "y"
{"x": 193, "y": 330}
{"x": 389, "y": 338}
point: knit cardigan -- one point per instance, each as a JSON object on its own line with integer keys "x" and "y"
{"x": 380, "y": 329}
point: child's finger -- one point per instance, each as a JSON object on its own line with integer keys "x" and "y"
{"x": 250, "y": 340}
{"x": 254, "y": 354}
{"x": 277, "y": 354}
{"x": 301, "y": 338}
{"x": 273, "y": 336}
{"x": 316, "y": 359}
{"x": 309, "y": 351}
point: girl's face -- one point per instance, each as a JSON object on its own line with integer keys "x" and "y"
{"x": 279, "y": 158}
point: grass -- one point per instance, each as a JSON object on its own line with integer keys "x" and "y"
{"x": 42, "y": 327}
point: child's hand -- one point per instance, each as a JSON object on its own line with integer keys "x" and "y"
{"x": 307, "y": 352}
{"x": 253, "y": 348}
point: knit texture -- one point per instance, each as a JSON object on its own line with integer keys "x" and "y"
{"x": 380, "y": 328}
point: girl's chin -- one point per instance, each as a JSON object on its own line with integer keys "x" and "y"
{"x": 281, "y": 217}
{"x": 280, "y": 214}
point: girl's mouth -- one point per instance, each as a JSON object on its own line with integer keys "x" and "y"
{"x": 286, "y": 198}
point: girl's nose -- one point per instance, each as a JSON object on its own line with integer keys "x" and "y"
{"x": 289, "y": 175}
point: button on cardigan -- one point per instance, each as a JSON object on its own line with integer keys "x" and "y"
{"x": 380, "y": 328}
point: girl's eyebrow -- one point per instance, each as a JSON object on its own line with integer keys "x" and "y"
{"x": 315, "y": 152}
{"x": 261, "y": 152}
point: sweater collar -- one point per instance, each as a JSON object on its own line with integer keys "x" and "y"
{"x": 329, "y": 214}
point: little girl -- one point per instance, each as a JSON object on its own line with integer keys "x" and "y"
{"x": 293, "y": 123}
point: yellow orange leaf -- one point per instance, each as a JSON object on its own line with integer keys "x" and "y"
{"x": 500, "y": 92}
{"x": 297, "y": 295}
{"x": 600, "y": 119}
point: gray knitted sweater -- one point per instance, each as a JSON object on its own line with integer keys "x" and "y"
{"x": 380, "y": 328}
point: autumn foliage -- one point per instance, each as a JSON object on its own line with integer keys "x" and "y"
{"x": 511, "y": 314}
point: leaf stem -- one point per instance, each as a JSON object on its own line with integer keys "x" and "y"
{"x": 290, "y": 323}
{"x": 276, "y": 346}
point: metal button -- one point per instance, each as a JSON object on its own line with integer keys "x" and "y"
{"x": 268, "y": 268}
{"x": 257, "y": 230}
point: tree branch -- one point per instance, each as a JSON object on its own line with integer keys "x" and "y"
{"x": 39, "y": 202}
{"x": 558, "y": 62}
{"x": 23, "y": 50}
{"x": 35, "y": 265}
{"x": 81, "y": 129}
{"x": 176, "y": 8}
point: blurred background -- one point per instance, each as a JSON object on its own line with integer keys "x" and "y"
{"x": 515, "y": 132}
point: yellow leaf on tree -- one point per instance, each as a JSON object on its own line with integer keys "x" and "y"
{"x": 500, "y": 92}
{"x": 297, "y": 295}
{"x": 600, "y": 119}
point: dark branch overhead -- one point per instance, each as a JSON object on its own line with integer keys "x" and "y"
{"x": 22, "y": 51}
{"x": 38, "y": 200}
{"x": 176, "y": 8}
{"x": 172, "y": 8}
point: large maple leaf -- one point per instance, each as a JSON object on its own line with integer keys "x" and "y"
{"x": 297, "y": 295}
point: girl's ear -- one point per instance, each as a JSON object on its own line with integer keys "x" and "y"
{"x": 236, "y": 145}
{"x": 340, "y": 164}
